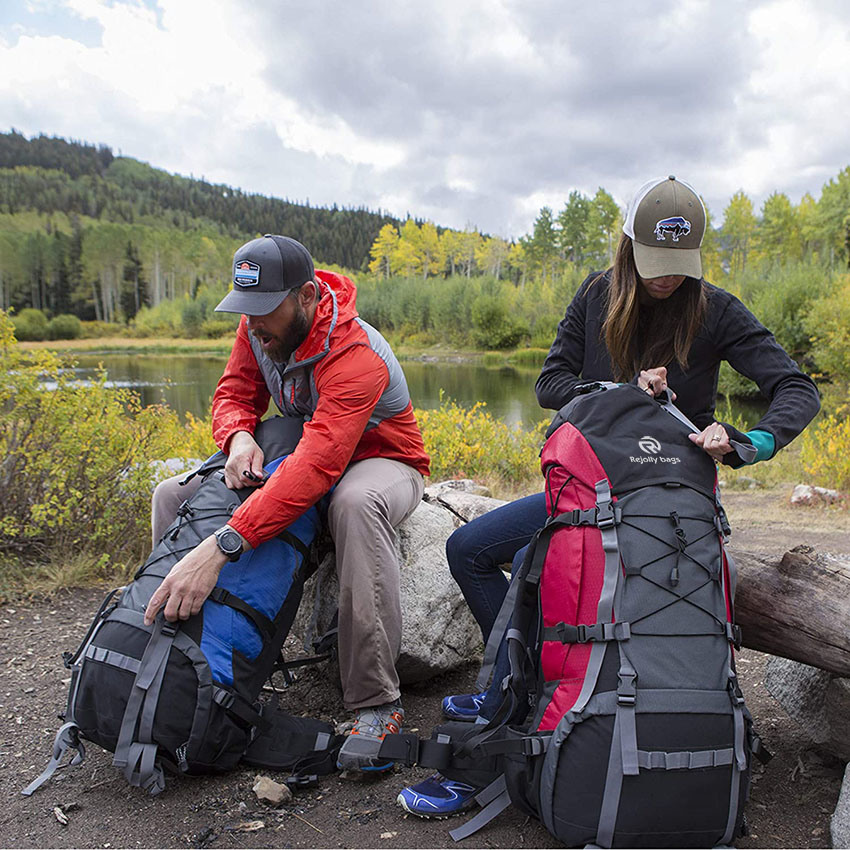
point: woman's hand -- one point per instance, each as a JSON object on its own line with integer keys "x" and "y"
{"x": 713, "y": 441}
{"x": 654, "y": 381}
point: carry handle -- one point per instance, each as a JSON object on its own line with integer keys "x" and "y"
{"x": 747, "y": 453}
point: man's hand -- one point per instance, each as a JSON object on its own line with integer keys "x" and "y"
{"x": 244, "y": 467}
{"x": 189, "y": 583}
{"x": 654, "y": 381}
{"x": 713, "y": 440}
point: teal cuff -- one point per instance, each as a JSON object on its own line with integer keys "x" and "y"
{"x": 765, "y": 445}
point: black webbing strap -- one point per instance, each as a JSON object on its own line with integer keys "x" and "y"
{"x": 321, "y": 762}
{"x": 408, "y": 749}
{"x": 588, "y": 516}
{"x": 260, "y": 620}
{"x": 530, "y": 745}
{"x": 402, "y": 748}
{"x": 234, "y": 704}
{"x": 566, "y": 633}
{"x": 295, "y": 543}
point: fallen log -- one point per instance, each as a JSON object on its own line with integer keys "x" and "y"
{"x": 797, "y": 607}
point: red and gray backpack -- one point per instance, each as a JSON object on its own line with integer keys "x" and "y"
{"x": 622, "y": 724}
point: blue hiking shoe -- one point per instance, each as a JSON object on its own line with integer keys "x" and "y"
{"x": 463, "y": 706}
{"x": 437, "y": 797}
{"x": 360, "y": 749}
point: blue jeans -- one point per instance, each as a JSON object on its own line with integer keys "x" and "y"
{"x": 475, "y": 552}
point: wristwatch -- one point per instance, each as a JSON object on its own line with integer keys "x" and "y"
{"x": 229, "y": 542}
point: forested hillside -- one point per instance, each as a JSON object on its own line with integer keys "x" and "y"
{"x": 86, "y": 232}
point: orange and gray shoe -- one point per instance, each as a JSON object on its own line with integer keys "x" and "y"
{"x": 371, "y": 725}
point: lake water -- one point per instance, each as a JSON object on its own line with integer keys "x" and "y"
{"x": 186, "y": 383}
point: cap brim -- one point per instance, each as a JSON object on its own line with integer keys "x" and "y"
{"x": 251, "y": 303}
{"x": 653, "y": 261}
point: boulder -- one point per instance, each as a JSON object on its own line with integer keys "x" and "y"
{"x": 463, "y": 498}
{"x": 817, "y": 700}
{"x": 439, "y": 633}
{"x": 839, "y": 826}
{"x": 801, "y": 691}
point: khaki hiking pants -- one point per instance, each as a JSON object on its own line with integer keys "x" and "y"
{"x": 370, "y": 500}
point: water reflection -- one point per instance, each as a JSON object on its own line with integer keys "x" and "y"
{"x": 186, "y": 383}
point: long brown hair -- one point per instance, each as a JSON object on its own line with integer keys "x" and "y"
{"x": 645, "y": 336}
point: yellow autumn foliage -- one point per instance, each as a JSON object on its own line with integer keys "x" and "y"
{"x": 468, "y": 442}
{"x": 825, "y": 450}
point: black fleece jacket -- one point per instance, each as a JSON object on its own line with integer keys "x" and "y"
{"x": 730, "y": 332}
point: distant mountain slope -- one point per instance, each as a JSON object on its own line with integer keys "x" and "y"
{"x": 49, "y": 174}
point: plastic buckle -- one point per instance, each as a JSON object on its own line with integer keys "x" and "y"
{"x": 626, "y": 693}
{"x": 581, "y": 633}
{"x": 605, "y": 516}
{"x": 224, "y": 698}
{"x": 734, "y": 635}
{"x": 302, "y": 781}
{"x": 532, "y": 747}
{"x": 723, "y": 522}
{"x": 169, "y": 629}
{"x": 735, "y": 691}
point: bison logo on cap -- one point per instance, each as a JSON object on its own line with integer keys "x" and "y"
{"x": 676, "y": 225}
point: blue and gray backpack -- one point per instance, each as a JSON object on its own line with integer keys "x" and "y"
{"x": 183, "y": 696}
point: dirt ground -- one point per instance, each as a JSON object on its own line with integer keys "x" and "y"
{"x": 791, "y": 801}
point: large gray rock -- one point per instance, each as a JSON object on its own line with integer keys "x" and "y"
{"x": 439, "y": 633}
{"x": 801, "y": 691}
{"x": 819, "y": 701}
{"x": 463, "y": 498}
{"x": 839, "y": 826}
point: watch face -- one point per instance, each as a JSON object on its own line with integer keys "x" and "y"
{"x": 229, "y": 542}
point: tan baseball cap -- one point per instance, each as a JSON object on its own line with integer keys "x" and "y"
{"x": 666, "y": 222}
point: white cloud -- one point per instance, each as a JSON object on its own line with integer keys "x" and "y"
{"x": 476, "y": 112}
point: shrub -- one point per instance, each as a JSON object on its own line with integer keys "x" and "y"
{"x": 98, "y": 329}
{"x": 825, "y": 450}
{"x": 219, "y": 326}
{"x": 494, "y": 326}
{"x": 30, "y": 325}
{"x": 781, "y": 298}
{"x": 532, "y": 357}
{"x": 74, "y": 460}
{"x": 64, "y": 326}
{"x": 733, "y": 384}
{"x": 828, "y": 323}
{"x": 467, "y": 442}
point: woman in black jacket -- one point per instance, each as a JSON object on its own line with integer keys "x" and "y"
{"x": 653, "y": 320}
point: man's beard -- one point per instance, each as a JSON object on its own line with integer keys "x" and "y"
{"x": 281, "y": 349}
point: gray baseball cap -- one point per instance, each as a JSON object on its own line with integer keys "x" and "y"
{"x": 264, "y": 270}
{"x": 666, "y": 222}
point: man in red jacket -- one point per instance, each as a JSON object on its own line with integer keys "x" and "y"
{"x": 301, "y": 343}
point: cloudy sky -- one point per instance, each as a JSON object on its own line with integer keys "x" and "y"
{"x": 461, "y": 111}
